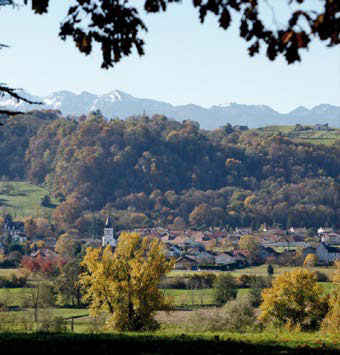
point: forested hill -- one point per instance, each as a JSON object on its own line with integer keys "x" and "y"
{"x": 155, "y": 171}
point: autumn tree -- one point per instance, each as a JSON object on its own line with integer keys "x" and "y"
{"x": 251, "y": 244}
{"x": 201, "y": 215}
{"x": 65, "y": 245}
{"x": 30, "y": 227}
{"x": 331, "y": 323}
{"x": 294, "y": 300}
{"x": 124, "y": 283}
{"x": 2, "y": 223}
{"x": 310, "y": 260}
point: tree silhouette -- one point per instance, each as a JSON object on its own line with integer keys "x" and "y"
{"x": 116, "y": 25}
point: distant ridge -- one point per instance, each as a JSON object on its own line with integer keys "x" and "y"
{"x": 119, "y": 104}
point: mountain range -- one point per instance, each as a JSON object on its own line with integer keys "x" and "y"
{"x": 119, "y": 104}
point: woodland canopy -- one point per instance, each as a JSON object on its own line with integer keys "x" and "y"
{"x": 159, "y": 172}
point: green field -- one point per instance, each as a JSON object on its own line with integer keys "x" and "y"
{"x": 23, "y": 200}
{"x": 310, "y": 136}
{"x": 255, "y": 270}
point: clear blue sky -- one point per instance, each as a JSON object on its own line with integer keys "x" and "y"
{"x": 185, "y": 62}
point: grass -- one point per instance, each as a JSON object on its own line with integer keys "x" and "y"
{"x": 170, "y": 342}
{"x": 256, "y": 270}
{"x": 311, "y": 136}
{"x": 24, "y": 200}
{"x": 7, "y": 272}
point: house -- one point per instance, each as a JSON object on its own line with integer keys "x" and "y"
{"x": 265, "y": 252}
{"x": 16, "y": 231}
{"x": 185, "y": 263}
{"x": 325, "y": 230}
{"x": 289, "y": 241}
{"x": 298, "y": 231}
{"x": 226, "y": 259}
{"x": 321, "y": 127}
{"x": 327, "y": 253}
{"x": 331, "y": 238}
{"x": 201, "y": 256}
{"x": 308, "y": 250}
{"x": 172, "y": 251}
{"x": 45, "y": 253}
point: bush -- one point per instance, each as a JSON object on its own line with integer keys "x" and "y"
{"x": 225, "y": 288}
{"x": 236, "y": 316}
{"x": 7, "y": 263}
{"x": 321, "y": 276}
{"x": 51, "y": 324}
{"x": 257, "y": 284}
{"x": 243, "y": 281}
{"x": 13, "y": 281}
{"x": 202, "y": 280}
{"x": 197, "y": 281}
{"x": 176, "y": 282}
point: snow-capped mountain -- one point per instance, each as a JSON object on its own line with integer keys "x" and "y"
{"x": 119, "y": 104}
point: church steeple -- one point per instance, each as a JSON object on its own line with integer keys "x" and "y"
{"x": 108, "y": 223}
{"x": 108, "y": 237}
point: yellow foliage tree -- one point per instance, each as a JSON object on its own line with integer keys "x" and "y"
{"x": 250, "y": 243}
{"x": 294, "y": 300}
{"x": 311, "y": 260}
{"x": 30, "y": 227}
{"x": 331, "y": 323}
{"x": 125, "y": 284}
{"x": 65, "y": 245}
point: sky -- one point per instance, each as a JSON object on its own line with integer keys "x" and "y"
{"x": 185, "y": 62}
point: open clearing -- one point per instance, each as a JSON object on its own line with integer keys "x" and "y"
{"x": 23, "y": 199}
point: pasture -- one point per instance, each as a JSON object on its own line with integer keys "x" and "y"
{"x": 22, "y": 199}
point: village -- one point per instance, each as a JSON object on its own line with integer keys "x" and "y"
{"x": 211, "y": 249}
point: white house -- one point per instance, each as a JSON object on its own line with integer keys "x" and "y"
{"x": 326, "y": 253}
{"x": 108, "y": 237}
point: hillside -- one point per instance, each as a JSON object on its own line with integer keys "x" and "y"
{"x": 154, "y": 171}
{"x": 22, "y": 199}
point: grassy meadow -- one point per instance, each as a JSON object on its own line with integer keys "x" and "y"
{"x": 23, "y": 200}
{"x": 310, "y": 136}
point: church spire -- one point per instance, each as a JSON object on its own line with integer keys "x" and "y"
{"x": 108, "y": 222}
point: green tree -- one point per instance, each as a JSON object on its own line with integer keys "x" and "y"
{"x": 251, "y": 244}
{"x": 270, "y": 270}
{"x": 65, "y": 245}
{"x": 125, "y": 283}
{"x": 67, "y": 283}
{"x": 225, "y": 288}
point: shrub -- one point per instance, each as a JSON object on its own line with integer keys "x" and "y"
{"x": 51, "y": 324}
{"x": 243, "y": 281}
{"x": 176, "y": 282}
{"x": 225, "y": 288}
{"x": 257, "y": 284}
{"x": 202, "y": 280}
{"x": 331, "y": 323}
{"x": 13, "y": 281}
{"x": 321, "y": 276}
{"x": 236, "y": 316}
